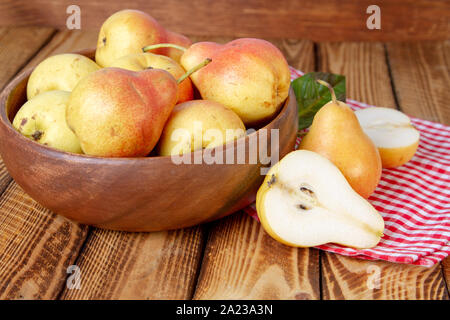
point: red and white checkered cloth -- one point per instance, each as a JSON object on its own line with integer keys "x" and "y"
{"x": 413, "y": 199}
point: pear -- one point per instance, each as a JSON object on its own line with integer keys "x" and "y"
{"x": 43, "y": 119}
{"x": 336, "y": 134}
{"x": 147, "y": 60}
{"x": 199, "y": 124}
{"x": 127, "y": 31}
{"x": 392, "y": 133}
{"x": 121, "y": 113}
{"x": 305, "y": 201}
{"x": 249, "y": 76}
{"x": 59, "y": 72}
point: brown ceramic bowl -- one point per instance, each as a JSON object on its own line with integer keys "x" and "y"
{"x": 136, "y": 194}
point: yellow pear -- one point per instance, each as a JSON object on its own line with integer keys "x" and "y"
{"x": 59, "y": 72}
{"x": 43, "y": 119}
{"x": 199, "y": 124}
{"x": 337, "y": 135}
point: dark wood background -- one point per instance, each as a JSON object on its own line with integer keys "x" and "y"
{"x": 318, "y": 20}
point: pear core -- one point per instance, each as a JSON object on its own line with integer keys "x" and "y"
{"x": 306, "y": 201}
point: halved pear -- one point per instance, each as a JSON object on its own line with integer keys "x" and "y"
{"x": 392, "y": 133}
{"x": 306, "y": 201}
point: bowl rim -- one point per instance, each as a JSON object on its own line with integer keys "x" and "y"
{"x": 4, "y": 119}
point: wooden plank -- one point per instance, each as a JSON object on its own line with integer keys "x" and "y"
{"x": 421, "y": 77}
{"x": 121, "y": 265}
{"x": 319, "y": 20}
{"x": 446, "y": 272}
{"x": 241, "y": 260}
{"x": 37, "y": 246}
{"x": 17, "y": 47}
{"x": 366, "y": 69}
{"x": 349, "y": 278}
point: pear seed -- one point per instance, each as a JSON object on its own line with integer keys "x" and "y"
{"x": 271, "y": 181}
{"x": 307, "y": 191}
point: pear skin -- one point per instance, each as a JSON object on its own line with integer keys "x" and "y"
{"x": 218, "y": 124}
{"x": 337, "y": 135}
{"x": 178, "y": 39}
{"x": 128, "y": 31}
{"x": 249, "y": 76}
{"x": 59, "y": 72}
{"x": 120, "y": 113}
{"x": 43, "y": 119}
{"x": 147, "y": 60}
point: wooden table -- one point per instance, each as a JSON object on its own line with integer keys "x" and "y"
{"x": 232, "y": 258}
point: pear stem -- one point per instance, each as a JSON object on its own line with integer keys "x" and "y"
{"x": 191, "y": 71}
{"x": 333, "y": 95}
{"x": 163, "y": 45}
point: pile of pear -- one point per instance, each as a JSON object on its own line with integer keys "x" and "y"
{"x": 317, "y": 194}
{"x": 147, "y": 82}
{"x": 131, "y": 102}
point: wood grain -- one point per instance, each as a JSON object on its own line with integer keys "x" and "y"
{"x": 241, "y": 260}
{"x": 319, "y": 20}
{"x": 17, "y": 47}
{"x": 36, "y": 247}
{"x": 121, "y": 265}
{"x": 349, "y": 278}
{"x": 446, "y": 272}
{"x": 368, "y": 80}
{"x": 421, "y": 76}
{"x": 365, "y": 68}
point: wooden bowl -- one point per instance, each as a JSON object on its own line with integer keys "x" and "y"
{"x": 136, "y": 194}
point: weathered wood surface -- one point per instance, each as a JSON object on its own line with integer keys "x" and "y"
{"x": 368, "y": 80}
{"x": 318, "y": 20}
{"x": 123, "y": 265}
{"x": 242, "y": 261}
{"x": 420, "y": 73}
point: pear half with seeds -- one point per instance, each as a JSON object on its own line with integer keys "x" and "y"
{"x": 306, "y": 201}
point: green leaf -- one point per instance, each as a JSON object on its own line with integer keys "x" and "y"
{"x": 311, "y": 96}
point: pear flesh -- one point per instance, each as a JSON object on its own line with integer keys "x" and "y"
{"x": 392, "y": 133}
{"x": 306, "y": 201}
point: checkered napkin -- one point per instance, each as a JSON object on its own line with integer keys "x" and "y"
{"x": 413, "y": 199}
